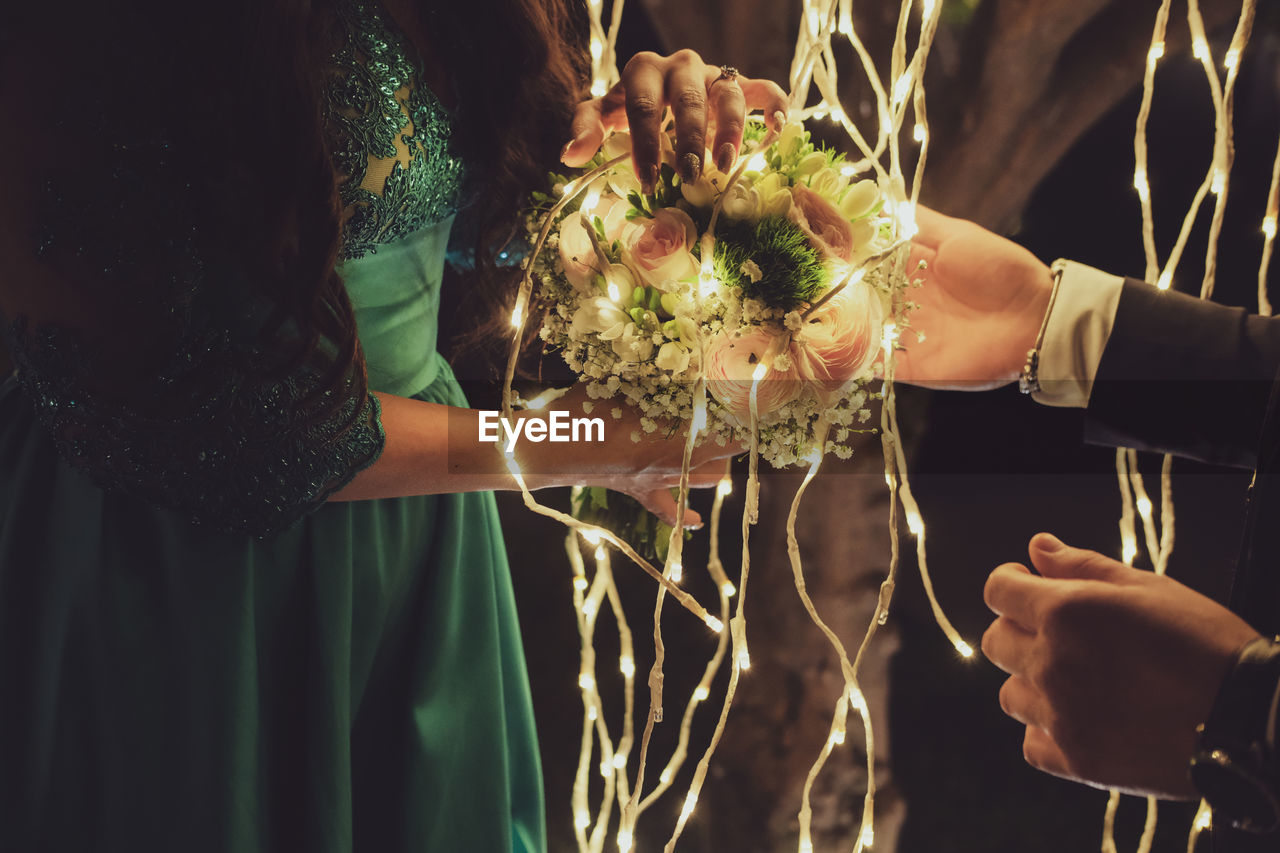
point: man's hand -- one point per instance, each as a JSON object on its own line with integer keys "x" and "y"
{"x": 1111, "y": 668}
{"x": 981, "y": 304}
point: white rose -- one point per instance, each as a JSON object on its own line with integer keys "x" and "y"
{"x": 741, "y": 202}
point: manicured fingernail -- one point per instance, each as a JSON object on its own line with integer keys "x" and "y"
{"x": 1048, "y": 543}
{"x": 690, "y": 167}
{"x": 565, "y": 149}
{"x": 779, "y": 119}
{"x": 649, "y": 179}
{"x": 726, "y": 156}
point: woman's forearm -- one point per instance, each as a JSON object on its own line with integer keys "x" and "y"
{"x": 432, "y": 449}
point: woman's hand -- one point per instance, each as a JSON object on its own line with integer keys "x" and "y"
{"x": 981, "y": 305}
{"x": 1111, "y": 668}
{"x": 701, "y": 98}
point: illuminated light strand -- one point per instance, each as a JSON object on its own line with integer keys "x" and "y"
{"x": 1140, "y": 180}
{"x": 1269, "y": 234}
{"x": 703, "y": 691}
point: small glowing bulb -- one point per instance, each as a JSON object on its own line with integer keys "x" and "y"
{"x": 1269, "y": 227}
{"x": 627, "y": 666}
{"x": 592, "y": 536}
{"x": 907, "y": 218}
{"x": 928, "y": 9}
{"x": 585, "y": 681}
{"x": 1128, "y": 552}
{"x": 845, "y": 27}
{"x": 760, "y": 372}
{"x": 757, "y": 162}
{"x": 868, "y": 836}
{"x": 600, "y": 555}
{"x": 1140, "y": 184}
{"x": 806, "y": 846}
{"x": 1219, "y": 182}
{"x": 580, "y": 583}
{"x": 714, "y": 624}
{"x": 887, "y": 339}
{"x": 858, "y": 700}
{"x": 620, "y": 761}
{"x": 725, "y": 487}
{"x": 689, "y": 802}
{"x": 677, "y": 572}
{"x": 606, "y": 769}
{"x": 614, "y": 293}
{"x": 540, "y": 402}
{"x": 589, "y": 609}
{"x": 1232, "y": 59}
{"x": 965, "y": 650}
{"x": 888, "y": 480}
{"x": 919, "y": 133}
{"x": 707, "y": 286}
{"x": 837, "y": 737}
{"x": 1154, "y": 54}
{"x": 582, "y": 820}
{"x": 744, "y": 660}
{"x": 915, "y": 523}
{"x": 814, "y": 21}
{"x": 1205, "y": 819}
{"x": 1165, "y": 279}
{"x": 838, "y": 115}
{"x": 665, "y": 776}
{"x": 590, "y": 201}
{"x": 728, "y": 588}
{"x": 624, "y": 840}
{"x": 701, "y": 693}
{"x": 847, "y": 171}
{"x": 1200, "y": 49}
{"x": 597, "y": 49}
{"x": 901, "y": 89}
{"x": 592, "y": 713}
{"x": 599, "y": 88}
{"x": 517, "y": 316}
{"x": 1144, "y": 505}
{"x": 699, "y": 417}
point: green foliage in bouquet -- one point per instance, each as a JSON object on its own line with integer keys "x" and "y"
{"x": 625, "y": 516}
{"x": 789, "y": 269}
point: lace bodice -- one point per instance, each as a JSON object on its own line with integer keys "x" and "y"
{"x": 196, "y": 415}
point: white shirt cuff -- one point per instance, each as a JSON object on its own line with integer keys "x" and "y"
{"x": 1080, "y": 322}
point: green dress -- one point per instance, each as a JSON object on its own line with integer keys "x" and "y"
{"x": 346, "y": 677}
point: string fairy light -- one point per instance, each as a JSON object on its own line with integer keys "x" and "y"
{"x": 1135, "y": 502}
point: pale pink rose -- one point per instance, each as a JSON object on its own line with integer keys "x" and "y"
{"x": 731, "y": 361}
{"x": 576, "y": 253}
{"x": 840, "y": 340}
{"x": 828, "y": 231}
{"x": 658, "y": 248}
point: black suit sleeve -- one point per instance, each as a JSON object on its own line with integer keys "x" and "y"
{"x": 1185, "y": 376}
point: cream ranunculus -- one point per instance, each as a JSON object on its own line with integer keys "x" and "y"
{"x": 576, "y": 253}
{"x": 732, "y": 359}
{"x": 839, "y": 341}
{"x": 828, "y": 231}
{"x": 658, "y": 249}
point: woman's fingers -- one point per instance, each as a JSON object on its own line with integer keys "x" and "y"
{"x": 697, "y": 94}
{"x": 729, "y": 109}
{"x": 643, "y": 81}
{"x": 661, "y": 503}
{"x": 686, "y": 93}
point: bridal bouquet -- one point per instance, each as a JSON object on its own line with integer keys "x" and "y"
{"x": 768, "y": 282}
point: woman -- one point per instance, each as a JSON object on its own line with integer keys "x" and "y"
{"x": 249, "y": 597}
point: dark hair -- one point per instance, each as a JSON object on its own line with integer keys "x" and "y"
{"x": 220, "y": 96}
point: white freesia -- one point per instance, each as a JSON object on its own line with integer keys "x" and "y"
{"x": 811, "y": 163}
{"x": 632, "y": 344}
{"x": 789, "y": 141}
{"x": 673, "y": 357}
{"x": 600, "y": 315}
{"x": 828, "y": 182}
{"x": 859, "y": 200}
{"x": 741, "y": 202}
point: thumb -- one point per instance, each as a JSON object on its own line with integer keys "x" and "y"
{"x": 661, "y": 503}
{"x": 1055, "y": 559}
